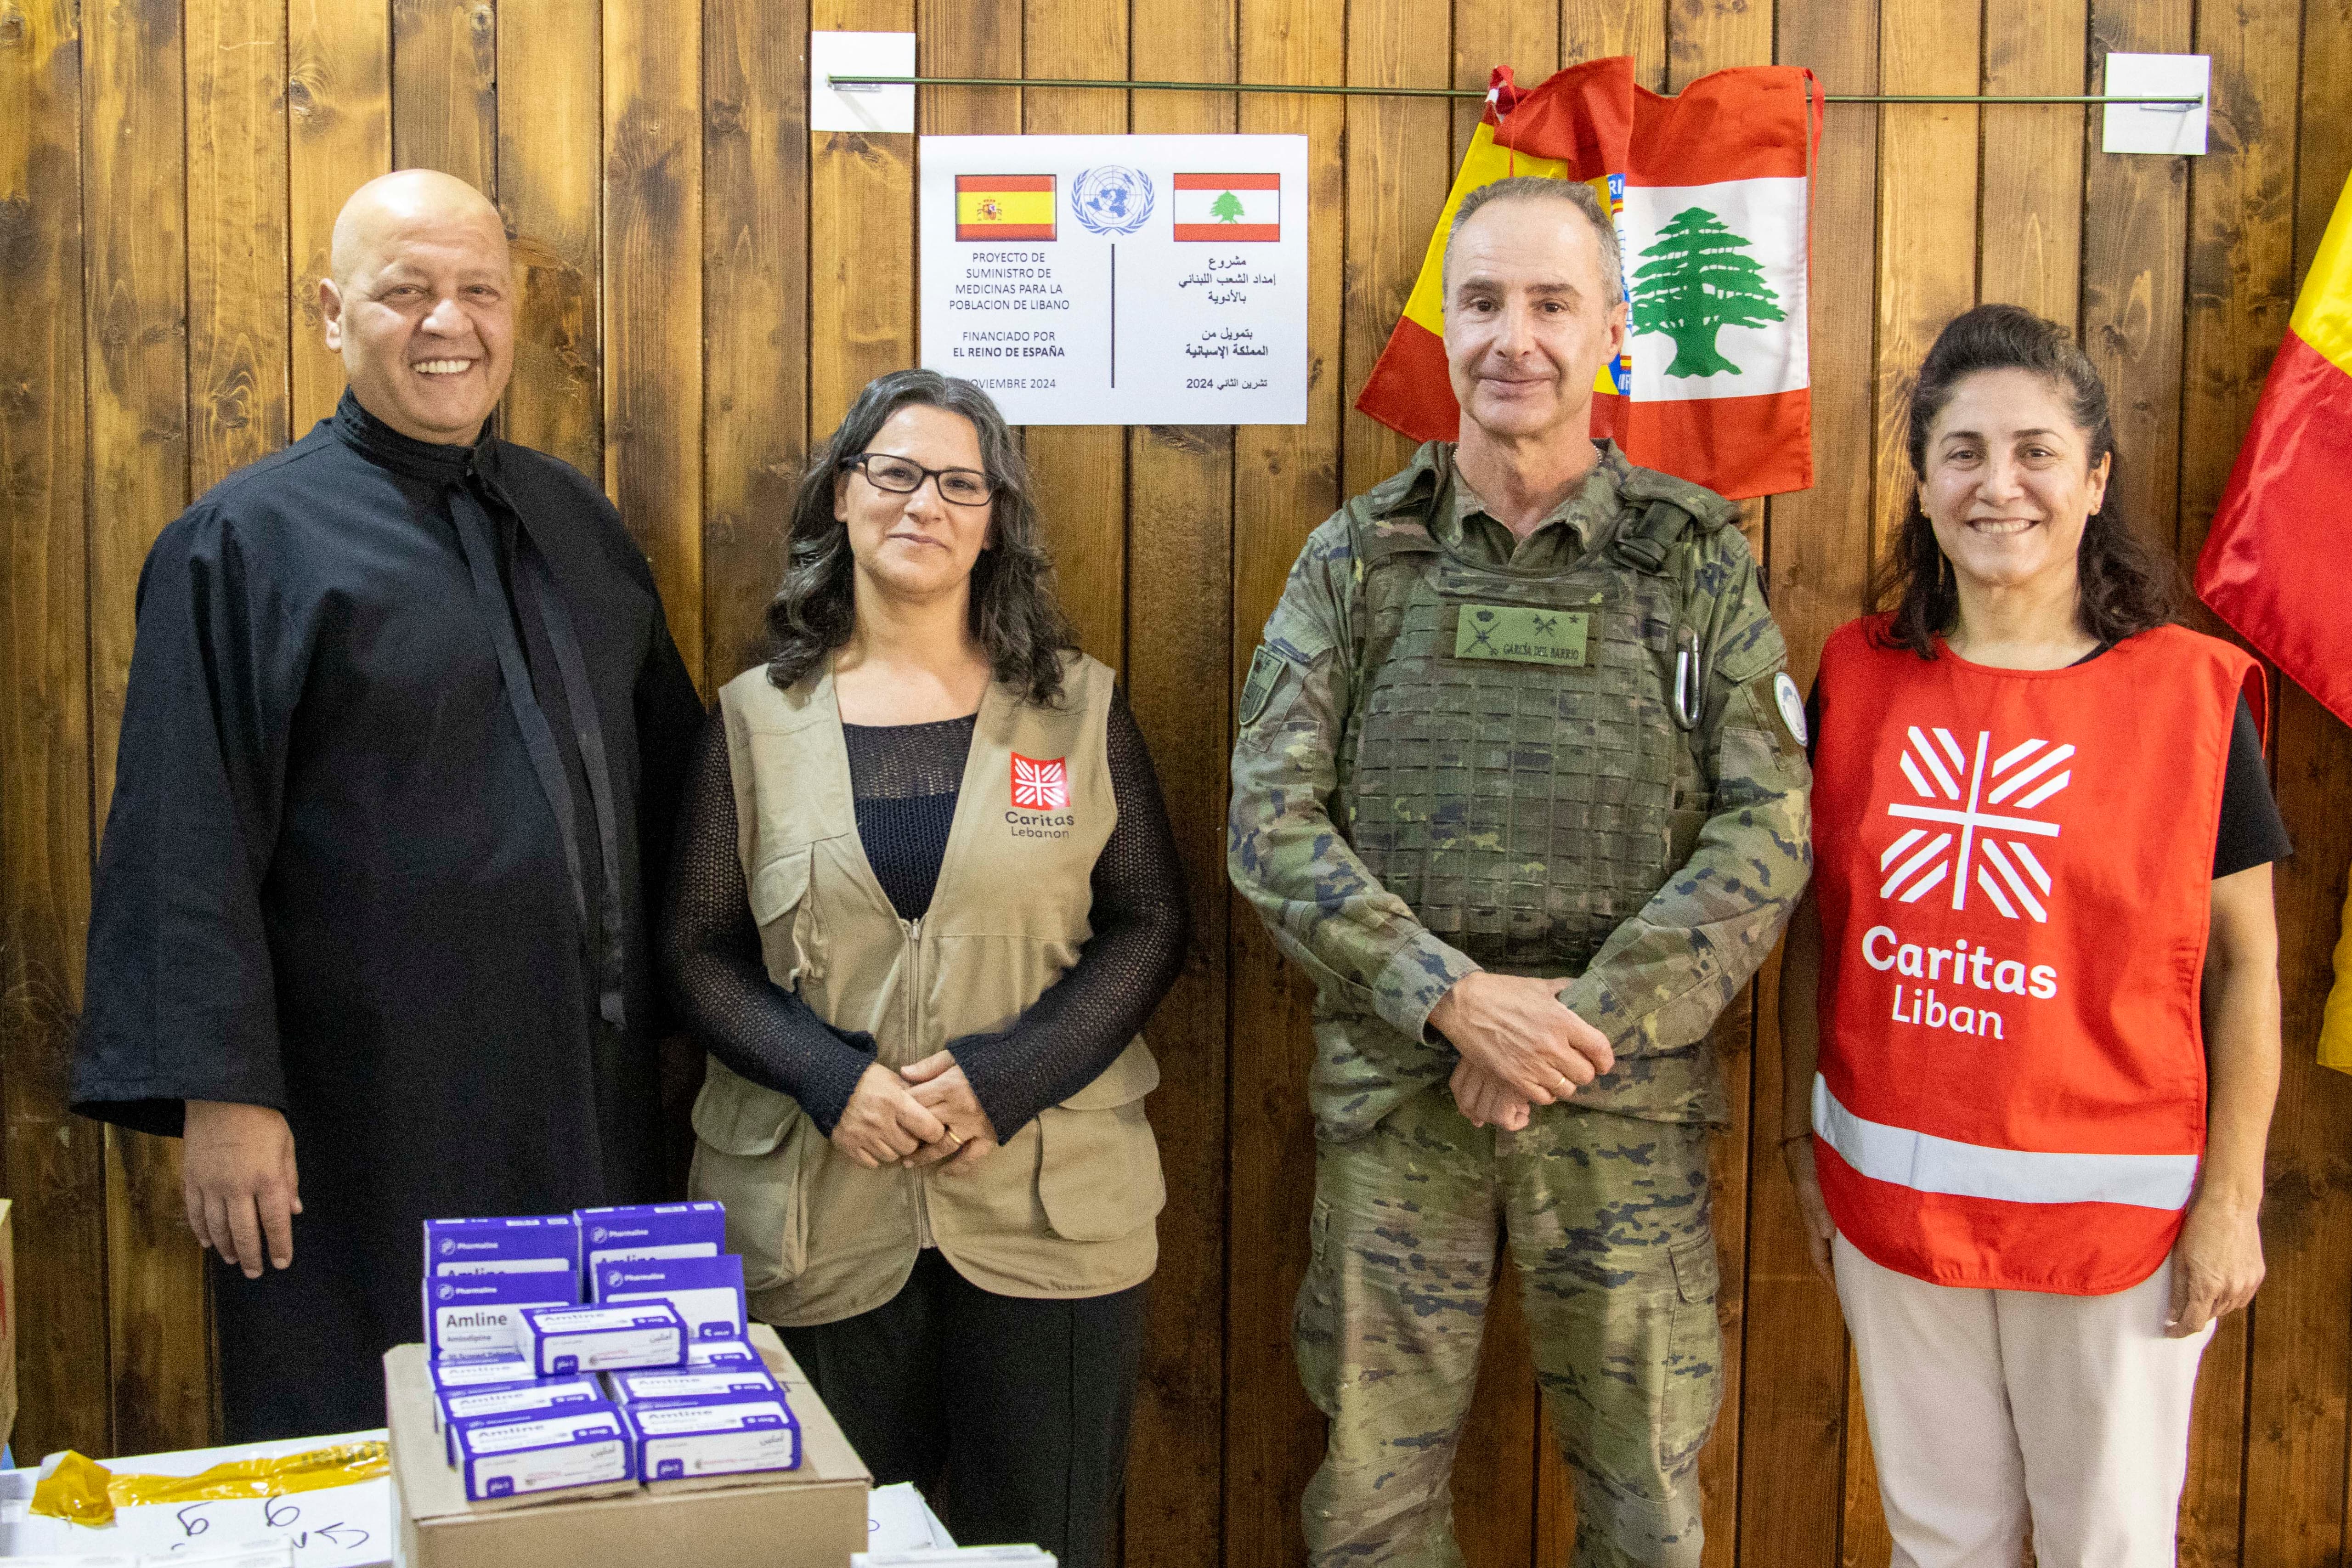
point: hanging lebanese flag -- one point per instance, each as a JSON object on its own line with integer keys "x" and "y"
{"x": 1710, "y": 190}
{"x": 2270, "y": 566}
{"x": 1224, "y": 208}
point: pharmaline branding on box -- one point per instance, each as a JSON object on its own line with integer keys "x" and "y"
{"x": 706, "y": 1292}
{"x": 637, "y": 1233}
{"x": 559, "y": 1339}
{"x": 480, "y": 1314}
{"x": 531, "y": 1243}
{"x": 713, "y": 1437}
{"x": 742, "y": 1383}
{"x": 523, "y": 1399}
{"x": 513, "y": 1455}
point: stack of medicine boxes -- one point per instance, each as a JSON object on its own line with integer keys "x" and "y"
{"x": 652, "y": 1380}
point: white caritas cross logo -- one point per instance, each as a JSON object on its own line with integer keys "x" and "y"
{"x": 1041, "y": 784}
{"x": 1966, "y": 835}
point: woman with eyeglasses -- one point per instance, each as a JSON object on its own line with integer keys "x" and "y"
{"x": 925, "y": 896}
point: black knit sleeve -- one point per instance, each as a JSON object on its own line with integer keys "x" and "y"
{"x": 1140, "y": 922}
{"x": 710, "y": 959}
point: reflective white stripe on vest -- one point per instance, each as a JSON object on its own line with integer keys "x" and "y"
{"x": 1927, "y": 1164}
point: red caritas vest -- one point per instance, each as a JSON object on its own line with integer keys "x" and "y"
{"x": 2013, "y": 869}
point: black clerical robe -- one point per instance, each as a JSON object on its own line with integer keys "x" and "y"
{"x": 401, "y": 756}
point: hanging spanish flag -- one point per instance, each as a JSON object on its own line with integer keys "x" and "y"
{"x": 1004, "y": 206}
{"x": 1710, "y": 194}
{"x": 2271, "y": 565}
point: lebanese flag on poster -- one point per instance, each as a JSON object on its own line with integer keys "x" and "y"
{"x": 1710, "y": 192}
{"x": 2285, "y": 519}
{"x": 1228, "y": 207}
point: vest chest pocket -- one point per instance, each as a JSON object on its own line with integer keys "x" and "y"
{"x": 1098, "y": 1175}
{"x": 779, "y": 906}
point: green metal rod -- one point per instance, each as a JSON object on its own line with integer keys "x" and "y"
{"x": 840, "y": 81}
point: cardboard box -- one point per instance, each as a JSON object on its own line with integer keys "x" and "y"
{"x": 7, "y": 1319}
{"x": 814, "y": 1516}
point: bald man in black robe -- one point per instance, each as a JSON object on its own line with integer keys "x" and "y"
{"x": 402, "y": 744}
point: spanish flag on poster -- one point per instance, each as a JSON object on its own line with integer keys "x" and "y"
{"x": 1004, "y": 206}
{"x": 1710, "y": 192}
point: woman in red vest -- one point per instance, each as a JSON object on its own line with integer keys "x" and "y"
{"x": 2030, "y": 1005}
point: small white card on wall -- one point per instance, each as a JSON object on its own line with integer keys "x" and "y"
{"x": 2161, "y": 128}
{"x": 861, "y": 107}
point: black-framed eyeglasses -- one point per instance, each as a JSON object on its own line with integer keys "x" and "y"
{"x": 964, "y": 487}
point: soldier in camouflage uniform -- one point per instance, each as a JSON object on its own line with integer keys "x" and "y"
{"x": 1525, "y": 803}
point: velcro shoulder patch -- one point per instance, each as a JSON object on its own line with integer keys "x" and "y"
{"x": 1708, "y": 509}
{"x": 1264, "y": 675}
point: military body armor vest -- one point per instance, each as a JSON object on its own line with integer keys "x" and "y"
{"x": 1518, "y": 774}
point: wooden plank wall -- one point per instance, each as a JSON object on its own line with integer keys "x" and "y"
{"x": 709, "y": 284}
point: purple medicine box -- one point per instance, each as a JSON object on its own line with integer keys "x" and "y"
{"x": 706, "y": 1292}
{"x": 637, "y": 1232}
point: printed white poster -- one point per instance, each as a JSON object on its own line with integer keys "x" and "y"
{"x": 1118, "y": 279}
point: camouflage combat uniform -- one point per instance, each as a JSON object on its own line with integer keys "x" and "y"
{"x": 1461, "y": 751}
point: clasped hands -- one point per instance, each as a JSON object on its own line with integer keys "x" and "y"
{"x": 1521, "y": 1046}
{"x": 918, "y": 1115}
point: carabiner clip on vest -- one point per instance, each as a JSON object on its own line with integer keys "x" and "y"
{"x": 1686, "y": 679}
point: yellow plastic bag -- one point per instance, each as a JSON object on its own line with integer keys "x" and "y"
{"x": 86, "y": 1492}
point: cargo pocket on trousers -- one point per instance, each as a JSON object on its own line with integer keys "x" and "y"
{"x": 1693, "y": 1373}
{"x": 1315, "y": 1319}
{"x": 751, "y": 1146}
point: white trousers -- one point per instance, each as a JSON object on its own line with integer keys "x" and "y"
{"x": 1990, "y": 1407}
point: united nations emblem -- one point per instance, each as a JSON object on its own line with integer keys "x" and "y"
{"x": 1110, "y": 200}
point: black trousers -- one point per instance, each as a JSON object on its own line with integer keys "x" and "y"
{"x": 1010, "y": 1413}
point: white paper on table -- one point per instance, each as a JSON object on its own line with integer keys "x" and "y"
{"x": 2157, "y": 128}
{"x": 899, "y": 1519}
{"x": 332, "y": 1527}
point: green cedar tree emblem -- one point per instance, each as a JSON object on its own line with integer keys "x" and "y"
{"x": 1227, "y": 208}
{"x": 1693, "y": 283}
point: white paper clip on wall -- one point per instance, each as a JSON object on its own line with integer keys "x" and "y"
{"x": 2167, "y": 129}
{"x": 860, "y": 106}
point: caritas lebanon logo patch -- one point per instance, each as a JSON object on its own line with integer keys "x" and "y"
{"x": 1041, "y": 784}
{"x": 1976, "y": 810}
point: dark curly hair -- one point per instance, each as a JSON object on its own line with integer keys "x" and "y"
{"x": 1015, "y": 614}
{"x": 2126, "y": 585}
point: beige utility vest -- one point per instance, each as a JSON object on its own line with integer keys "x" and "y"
{"x": 1065, "y": 1207}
